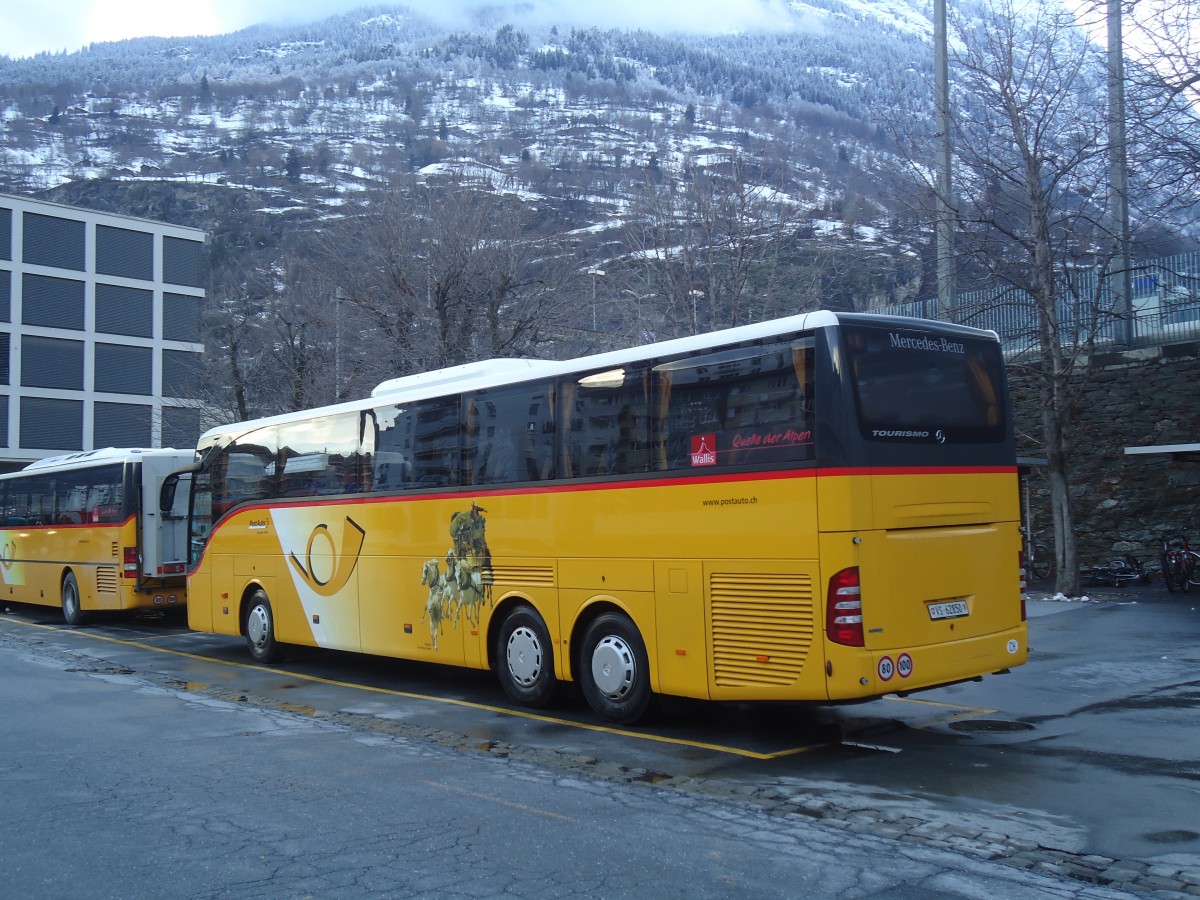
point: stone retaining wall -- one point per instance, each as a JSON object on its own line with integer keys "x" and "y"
{"x": 1122, "y": 503}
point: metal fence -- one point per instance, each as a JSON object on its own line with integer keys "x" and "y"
{"x": 1165, "y": 295}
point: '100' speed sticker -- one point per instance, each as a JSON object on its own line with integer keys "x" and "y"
{"x": 903, "y": 666}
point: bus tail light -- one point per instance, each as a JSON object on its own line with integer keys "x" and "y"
{"x": 1021, "y": 561}
{"x": 130, "y": 565}
{"x": 843, "y": 609}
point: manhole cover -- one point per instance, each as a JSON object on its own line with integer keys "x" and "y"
{"x": 985, "y": 726}
{"x": 1177, "y": 836}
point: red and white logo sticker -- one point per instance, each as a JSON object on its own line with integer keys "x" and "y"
{"x": 904, "y": 665}
{"x": 886, "y": 668}
{"x": 704, "y": 449}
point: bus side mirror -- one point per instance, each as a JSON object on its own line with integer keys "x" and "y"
{"x": 166, "y": 494}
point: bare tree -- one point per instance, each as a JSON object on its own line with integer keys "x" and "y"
{"x": 703, "y": 238}
{"x": 1030, "y": 143}
{"x": 228, "y": 330}
{"x": 1034, "y": 199}
{"x": 1162, "y": 45}
{"x": 1034, "y": 145}
{"x": 437, "y": 275}
{"x": 523, "y": 282}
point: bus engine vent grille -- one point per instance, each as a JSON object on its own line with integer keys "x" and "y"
{"x": 106, "y": 580}
{"x": 762, "y": 627}
{"x": 116, "y": 550}
{"x": 528, "y": 575}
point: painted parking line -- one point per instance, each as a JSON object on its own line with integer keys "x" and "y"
{"x": 431, "y": 698}
{"x": 963, "y": 712}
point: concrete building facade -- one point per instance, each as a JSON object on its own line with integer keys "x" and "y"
{"x": 100, "y": 340}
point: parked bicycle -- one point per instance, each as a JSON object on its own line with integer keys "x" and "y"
{"x": 1180, "y": 564}
{"x": 1116, "y": 572}
{"x": 1039, "y": 562}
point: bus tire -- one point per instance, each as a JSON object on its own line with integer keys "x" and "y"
{"x": 614, "y": 671}
{"x": 259, "y": 628}
{"x": 71, "y": 607}
{"x": 525, "y": 658}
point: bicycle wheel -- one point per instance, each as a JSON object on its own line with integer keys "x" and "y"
{"x": 1172, "y": 572}
{"x": 1041, "y": 563}
{"x": 1192, "y": 567}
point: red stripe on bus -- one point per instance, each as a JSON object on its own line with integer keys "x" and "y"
{"x": 64, "y": 525}
{"x": 919, "y": 470}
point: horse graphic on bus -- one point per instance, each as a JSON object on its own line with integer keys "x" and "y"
{"x": 466, "y": 581}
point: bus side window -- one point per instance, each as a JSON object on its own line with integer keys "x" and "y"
{"x": 391, "y": 462}
{"x": 246, "y": 471}
{"x": 41, "y": 500}
{"x": 70, "y": 490}
{"x": 745, "y": 405}
{"x": 320, "y": 457}
{"x": 435, "y": 443}
{"x": 608, "y": 431}
{"x": 509, "y": 434}
{"x": 104, "y": 504}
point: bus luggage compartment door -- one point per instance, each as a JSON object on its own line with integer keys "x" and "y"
{"x": 923, "y": 586}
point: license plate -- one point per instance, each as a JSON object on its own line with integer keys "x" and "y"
{"x": 954, "y": 609}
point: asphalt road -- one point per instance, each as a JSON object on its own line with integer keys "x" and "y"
{"x": 139, "y": 758}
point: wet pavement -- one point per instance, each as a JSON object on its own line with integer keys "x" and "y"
{"x": 1081, "y": 764}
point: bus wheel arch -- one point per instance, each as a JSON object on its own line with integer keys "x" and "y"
{"x": 522, "y": 652}
{"x": 257, "y": 620}
{"x": 611, "y": 664}
{"x": 72, "y": 604}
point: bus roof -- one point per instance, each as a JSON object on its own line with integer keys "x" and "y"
{"x": 100, "y": 457}
{"x": 499, "y": 372}
{"x": 467, "y": 372}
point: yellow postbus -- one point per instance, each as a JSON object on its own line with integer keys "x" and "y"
{"x": 85, "y": 531}
{"x": 822, "y": 507}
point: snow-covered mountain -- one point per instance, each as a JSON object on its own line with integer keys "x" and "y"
{"x": 262, "y": 133}
{"x": 349, "y": 102}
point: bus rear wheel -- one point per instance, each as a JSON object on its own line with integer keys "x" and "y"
{"x": 614, "y": 671}
{"x": 525, "y": 658}
{"x": 259, "y": 628}
{"x": 72, "y": 609}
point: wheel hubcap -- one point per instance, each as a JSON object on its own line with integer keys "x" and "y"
{"x": 258, "y": 626}
{"x": 613, "y": 667}
{"x": 524, "y": 655}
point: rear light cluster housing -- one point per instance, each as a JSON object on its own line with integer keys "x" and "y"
{"x": 130, "y": 562}
{"x": 843, "y": 609}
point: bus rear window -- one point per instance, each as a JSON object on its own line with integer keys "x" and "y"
{"x": 920, "y": 386}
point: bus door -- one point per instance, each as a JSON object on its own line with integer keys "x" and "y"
{"x": 163, "y": 537}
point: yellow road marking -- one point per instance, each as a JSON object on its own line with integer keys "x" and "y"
{"x": 409, "y": 695}
{"x": 964, "y": 712}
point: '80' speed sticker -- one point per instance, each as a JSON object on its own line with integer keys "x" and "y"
{"x": 902, "y": 666}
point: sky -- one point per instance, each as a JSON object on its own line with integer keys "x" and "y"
{"x": 28, "y": 27}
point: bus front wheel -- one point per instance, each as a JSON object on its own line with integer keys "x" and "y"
{"x": 614, "y": 671}
{"x": 525, "y": 658}
{"x": 259, "y": 627}
{"x": 72, "y": 609}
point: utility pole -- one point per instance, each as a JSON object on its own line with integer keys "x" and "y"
{"x": 337, "y": 345}
{"x": 595, "y": 273}
{"x": 946, "y": 276}
{"x": 1123, "y": 285}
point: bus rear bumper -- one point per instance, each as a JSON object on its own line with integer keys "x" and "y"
{"x": 907, "y": 670}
